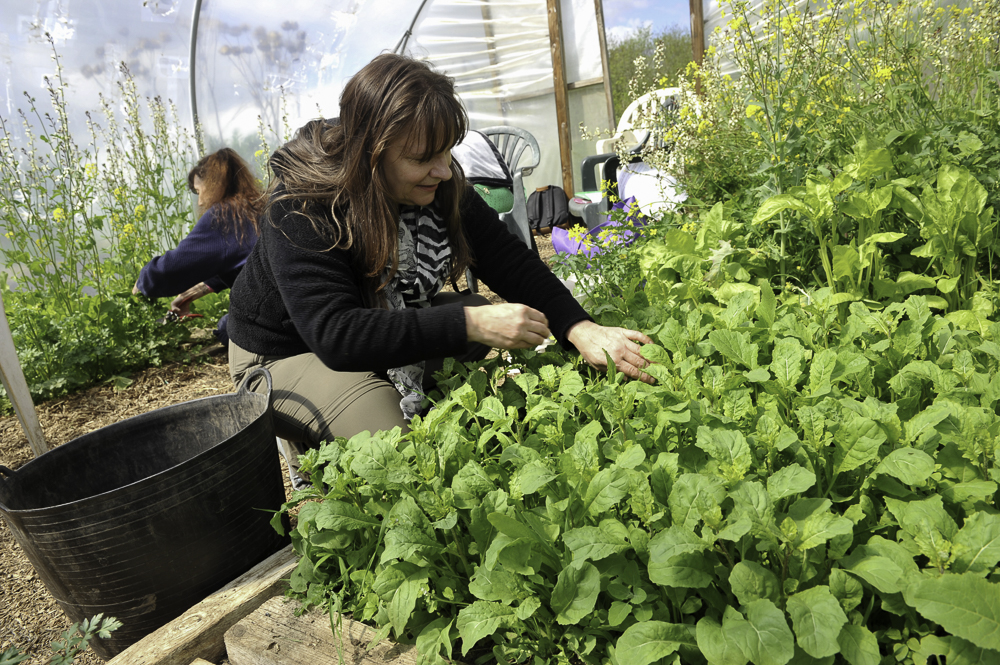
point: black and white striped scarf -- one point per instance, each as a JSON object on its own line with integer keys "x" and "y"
{"x": 424, "y": 263}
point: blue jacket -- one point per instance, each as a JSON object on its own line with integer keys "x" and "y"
{"x": 204, "y": 255}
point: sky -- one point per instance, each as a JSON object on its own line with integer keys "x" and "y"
{"x": 621, "y": 17}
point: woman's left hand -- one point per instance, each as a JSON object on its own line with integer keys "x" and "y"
{"x": 592, "y": 340}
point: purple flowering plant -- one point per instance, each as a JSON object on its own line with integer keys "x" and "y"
{"x": 619, "y": 230}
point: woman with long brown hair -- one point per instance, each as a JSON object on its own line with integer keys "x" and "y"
{"x": 367, "y": 219}
{"x": 211, "y": 256}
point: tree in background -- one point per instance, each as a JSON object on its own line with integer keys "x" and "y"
{"x": 622, "y": 53}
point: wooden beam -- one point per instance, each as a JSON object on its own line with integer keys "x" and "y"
{"x": 545, "y": 92}
{"x": 273, "y": 635}
{"x": 576, "y": 85}
{"x": 697, "y": 30}
{"x": 562, "y": 95}
{"x": 200, "y": 632}
{"x": 491, "y": 51}
{"x": 605, "y": 67}
{"x": 17, "y": 387}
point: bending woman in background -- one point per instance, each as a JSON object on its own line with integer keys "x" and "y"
{"x": 367, "y": 219}
{"x": 211, "y": 256}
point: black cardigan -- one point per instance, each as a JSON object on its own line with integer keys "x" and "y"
{"x": 296, "y": 296}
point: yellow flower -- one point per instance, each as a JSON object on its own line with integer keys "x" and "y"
{"x": 90, "y": 170}
{"x": 59, "y": 215}
{"x": 140, "y": 210}
{"x": 128, "y": 229}
{"x": 753, "y": 110}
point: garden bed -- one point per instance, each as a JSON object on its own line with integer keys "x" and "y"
{"x": 29, "y": 617}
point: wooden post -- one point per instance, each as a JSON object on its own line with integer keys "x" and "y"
{"x": 562, "y": 95}
{"x": 17, "y": 387}
{"x": 605, "y": 68}
{"x": 697, "y": 30}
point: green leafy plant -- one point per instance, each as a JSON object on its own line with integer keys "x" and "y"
{"x": 913, "y": 78}
{"x": 952, "y": 217}
{"x": 813, "y": 476}
{"x": 792, "y": 488}
{"x": 852, "y": 267}
{"x": 78, "y": 222}
{"x": 73, "y": 642}
{"x": 958, "y": 227}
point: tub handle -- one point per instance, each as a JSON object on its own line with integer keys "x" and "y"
{"x": 9, "y": 473}
{"x": 251, "y": 376}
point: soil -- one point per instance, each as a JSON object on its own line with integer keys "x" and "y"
{"x": 29, "y": 617}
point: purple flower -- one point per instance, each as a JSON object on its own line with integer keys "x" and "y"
{"x": 631, "y": 208}
{"x": 604, "y": 234}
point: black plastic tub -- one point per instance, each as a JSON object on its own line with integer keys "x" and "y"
{"x": 142, "y": 519}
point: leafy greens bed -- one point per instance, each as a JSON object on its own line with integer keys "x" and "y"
{"x": 806, "y": 482}
{"x": 812, "y": 479}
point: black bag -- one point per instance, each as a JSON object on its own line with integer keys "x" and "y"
{"x": 547, "y": 207}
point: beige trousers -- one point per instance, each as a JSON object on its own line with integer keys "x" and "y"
{"x": 313, "y": 403}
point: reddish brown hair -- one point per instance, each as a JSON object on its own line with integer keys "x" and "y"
{"x": 228, "y": 185}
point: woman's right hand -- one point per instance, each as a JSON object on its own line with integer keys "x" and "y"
{"x": 506, "y": 326}
{"x": 181, "y": 305}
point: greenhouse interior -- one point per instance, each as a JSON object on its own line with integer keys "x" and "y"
{"x": 232, "y": 66}
{"x": 491, "y": 331}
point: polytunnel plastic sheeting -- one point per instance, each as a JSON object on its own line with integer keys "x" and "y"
{"x": 260, "y": 62}
{"x": 499, "y": 53}
{"x": 583, "y": 60}
{"x": 284, "y": 62}
{"x": 500, "y": 57}
{"x": 91, "y": 38}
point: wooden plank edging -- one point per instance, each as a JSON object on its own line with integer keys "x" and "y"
{"x": 273, "y": 635}
{"x": 199, "y": 632}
